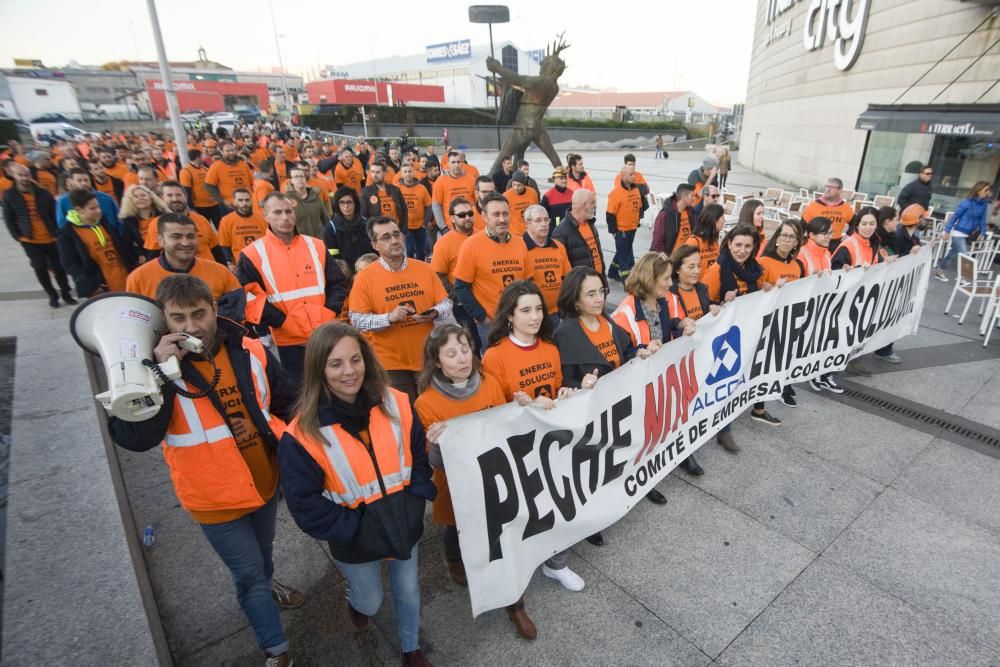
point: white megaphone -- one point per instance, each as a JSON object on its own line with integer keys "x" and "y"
{"x": 123, "y": 329}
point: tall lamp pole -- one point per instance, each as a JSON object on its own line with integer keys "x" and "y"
{"x": 491, "y": 14}
{"x": 167, "y": 79}
{"x": 281, "y": 64}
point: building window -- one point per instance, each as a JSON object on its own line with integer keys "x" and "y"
{"x": 509, "y": 58}
{"x": 41, "y": 92}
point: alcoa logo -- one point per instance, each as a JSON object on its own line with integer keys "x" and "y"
{"x": 725, "y": 356}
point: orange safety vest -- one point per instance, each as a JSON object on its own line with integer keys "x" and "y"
{"x": 624, "y": 316}
{"x": 815, "y": 257}
{"x": 861, "y": 253}
{"x": 349, "y": 477}
{"x": 206, "y": 466}
{"x": 295, "y": 282}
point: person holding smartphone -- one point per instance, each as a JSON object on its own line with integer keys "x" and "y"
{"x": 397, "y": 300}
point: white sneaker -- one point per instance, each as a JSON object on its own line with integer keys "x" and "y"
{"x": 569, "y": 579}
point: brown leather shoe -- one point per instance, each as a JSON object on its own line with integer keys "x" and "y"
{"x": 286, "y": 596}
{"x": 456, "y": 569}
{"x": 416, "y": 659}
{"x": 519, "y": 617}
{"x": 282, "y": 660}
{"x": 359, "y": 620}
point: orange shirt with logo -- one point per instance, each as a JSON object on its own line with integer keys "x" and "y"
{"x": 546, "y": 268}
{"x": 708, "y": 253}
{"x": 377, "y": 290}
{"x": 383, "y": 202}
{"x": 519, "y": 203}
{"x": 144, "y": 279}
{"x": 107, "y": 187}
{"x": 237, "y": 232}
{"x": 489, "y": 266}
{"x": 193, "y": 177}
{"x": 418, "y": 200}
{"x": 595, "y": 253}
{"x": 604, "y": 341}
{"x": 625, "y": 205}
{"x": 229, "y": 177}
{"x": 262, "y": 463}
{"x": 447, "y": 188}
{"x": 103, "y": 251}
{"x": 207, "y": 238}
{"x": 839, "y": 215}
{"x": 691, "y": 303}
{"x": 350, "y": 177}
{"x": 534, "y": 369}
{"x": 713, "y": 281}
{"x": 775, "y": 270}
{"x": 39, "y": 232}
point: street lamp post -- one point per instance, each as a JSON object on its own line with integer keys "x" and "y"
{"x": 167, "y": 79}
{"x": 281, "y": 64}
{"x": 491, "y": 14}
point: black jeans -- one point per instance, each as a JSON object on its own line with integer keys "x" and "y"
{"x": 44, "y": 257}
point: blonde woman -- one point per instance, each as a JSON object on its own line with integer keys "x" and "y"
{"x": 140, "y": 206}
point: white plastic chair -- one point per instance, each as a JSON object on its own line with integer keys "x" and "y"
{"x": 883, "y": 200}
{"x": 992, "y": 318}
{"x": 969, "y": 282}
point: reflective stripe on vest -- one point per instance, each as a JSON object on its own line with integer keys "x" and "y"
{"x": 198, "y": 434}
{"x": 260, "y": 379}
{"x": 857, "y": 253}
{"x": 274, "y": 294}
{"x": 354, "y": 492}
{"x": 627, "y": 308}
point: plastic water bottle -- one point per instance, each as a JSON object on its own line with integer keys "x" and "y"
{"x": 149, "y": 536}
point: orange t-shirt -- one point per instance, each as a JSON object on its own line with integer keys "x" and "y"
{"x": 691, "y": 303}
{"x": 193, "y": 178}
{"x": 478, "y": 223}
{"x": 595, "y": 253}
{"x": 39, "y": 232}
{"x": 518, "y": 204}
{"x": 839, "y": 215}
{"x": 130, "y": 178}
{"x": 261, "y": 189}
{"x": 489, "y": 266}
{"x": 144, "y": 279}
{"x": 546, "y": 268}
{"x": 207, "y": 238}
{"x": 604, "y": 341}
{"x": 107, "y": 187}
{"x": 625, "y": 205}
{"x": 117, "y": 170}
{"x": 713, "y": 280}
{"x": 708, "y": 252}
{"x": 383, "y": 202}
{"x": 351, "y": 177}
{"x": 418, "y": 200}
{"x": 103, "y": 251}
{"x": 534, "y": 369}
{"x": 377, "y": 290}
{"x": 262, "y": 463}
{"x": 445, "y": 256}
{"x": 447, "y": 188}
{"x": 5, "y": 184}
{"x": 775, "y": 270}
{"x": 229, "y": 177}
{"x": 683, "y": 229}
{"x": 237, "y": 232}
{"x": 46, "y": 180}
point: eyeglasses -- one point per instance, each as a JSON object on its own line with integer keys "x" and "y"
{"x": 392, "y": 236}
{"x": 826, "y": 233}
{"x": 592, "y": 294}
{"x": 787, "y": 237}
{"x": 715, "y": 196}
{"x": 463, "y": 214}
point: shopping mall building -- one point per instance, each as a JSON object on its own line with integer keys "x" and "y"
{"x": 863, "y": 89}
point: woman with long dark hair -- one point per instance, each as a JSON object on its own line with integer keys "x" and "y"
{"x": 452, "y": 384}
{"x": 705, "y": 234}
{"x": 752, "y": 213}
{"x": 355, "y": 474}
{"x": 737, "y": 272}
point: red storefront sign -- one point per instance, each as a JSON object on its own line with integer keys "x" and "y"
{"x": 206, "y": 96}
{"x": 359, "y": 91}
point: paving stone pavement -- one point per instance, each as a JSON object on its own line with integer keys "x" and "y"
{"x": 841, "y": 537}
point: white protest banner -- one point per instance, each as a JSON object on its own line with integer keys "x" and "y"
{"x": 528, "y": 483}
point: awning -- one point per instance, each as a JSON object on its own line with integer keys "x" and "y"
{"x": 981, "y": 121}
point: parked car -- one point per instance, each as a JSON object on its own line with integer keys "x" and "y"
{"x": 51, "y": 131}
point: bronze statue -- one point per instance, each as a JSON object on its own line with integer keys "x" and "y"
{"x": 535, "y": 94}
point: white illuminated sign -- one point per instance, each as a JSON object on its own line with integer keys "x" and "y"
{"x": 842, "y": 21}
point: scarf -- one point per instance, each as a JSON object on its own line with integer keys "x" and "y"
{"x": 74, "y": 219}
{"x": 750, "y": 272}
{"x": 353, "y": 417}
{"x": 444, "y": 385}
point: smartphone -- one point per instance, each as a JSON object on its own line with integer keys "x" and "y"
{"x": 428, "y": 313}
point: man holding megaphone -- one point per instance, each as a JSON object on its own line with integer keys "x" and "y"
{"x": 220, "y": 424}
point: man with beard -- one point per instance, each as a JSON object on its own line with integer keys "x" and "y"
{"x": 556, "y": 199}
{"x": 112, "y": 187}
{"x": 177, "y": 233}
{"x": 175, "y": 198}
{"x": 113, "y": 167}
{"x": 446, "y": 258}
{"x": 484, "y": 188}
{"x": 240, "y": 228}
{"x": 578, "y": 177}
{"x": 226, "y": 175}
{"x": 383, "y": 198}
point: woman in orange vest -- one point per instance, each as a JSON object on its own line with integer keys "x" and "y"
{"x": 781, "y": 265}
{"x": 652, "y": 316}
{"x": 355, "y": 474}
{"x": 737, "y": 272}
{"x": 705, "y": 234}
{"x": 815, "y": 258}
{"x": 453, "y": 384}
{"x": 523, "y": 359}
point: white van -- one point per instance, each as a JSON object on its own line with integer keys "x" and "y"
{"x": 57, "y": 130}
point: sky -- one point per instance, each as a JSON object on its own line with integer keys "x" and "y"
{"x": 651, "y": 46}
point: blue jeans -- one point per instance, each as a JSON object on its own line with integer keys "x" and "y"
{"x": 957, "y": 247}
{"x": 416, "y": 243}
{"x": 245, "y": 547}
{"x": 624, "y": 257}
{"x": 364, "y": 581}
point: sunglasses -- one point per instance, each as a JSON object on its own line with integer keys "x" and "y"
{"x": 463, "y": 214}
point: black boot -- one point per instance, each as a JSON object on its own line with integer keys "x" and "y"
{"x": 691, "y": 466}
{"x": 596, "y": 539}
{"x": 656, "y": 497}
{"x": 67, "y": 296}
{"x": 54, "y": 300}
